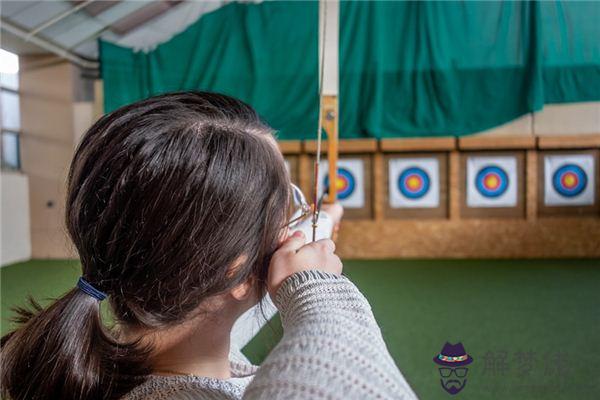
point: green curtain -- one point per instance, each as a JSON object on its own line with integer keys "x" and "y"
{"x": 265, "y": 54}
{"x": 454, "y": 68}
{"x": 406, "y": 68}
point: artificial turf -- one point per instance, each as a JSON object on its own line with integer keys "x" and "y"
{"x": 531, "y": 326}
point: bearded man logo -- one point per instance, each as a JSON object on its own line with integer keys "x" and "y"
{"x": 452, "y": 362}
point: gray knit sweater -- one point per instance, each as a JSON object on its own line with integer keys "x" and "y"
{"x": 331, "y": 349}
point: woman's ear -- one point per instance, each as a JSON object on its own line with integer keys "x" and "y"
{"x": 242, "y": 291}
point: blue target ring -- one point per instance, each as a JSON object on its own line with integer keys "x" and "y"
{"x": 345, "y": 183}
{"x": 491, "y": 181}
{"x": 414, "y": 183}
{"x": 569, "y": 180}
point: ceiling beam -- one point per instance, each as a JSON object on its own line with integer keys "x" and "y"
{"x": 56, "y": 19}
{"x": 98, "y": 7}
{"x": 143, "y": 15}
{"x": 49, "y": 46}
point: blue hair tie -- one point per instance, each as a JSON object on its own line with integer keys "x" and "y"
{"x": 88, "y": 289}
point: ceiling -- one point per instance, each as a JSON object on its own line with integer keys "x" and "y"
{"x": 73, "y": 27}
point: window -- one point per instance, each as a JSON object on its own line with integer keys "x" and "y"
{"x": 10, "y": 110}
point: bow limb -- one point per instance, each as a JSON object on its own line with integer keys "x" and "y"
{"x": 329, "y": 27}
{"x": 330, "y": 124}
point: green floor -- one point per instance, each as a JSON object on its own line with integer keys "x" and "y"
{"x": 532, "y": 327}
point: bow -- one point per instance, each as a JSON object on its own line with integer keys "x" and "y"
{"x": 328, "y": 102}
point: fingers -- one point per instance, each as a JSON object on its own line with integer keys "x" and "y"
{"x": 328, "y": 244}
{"x": 325, "y": 246}
{"x": 337, "y": 265}
{"x": 298, "y": 240}
{"x": 294, "y": 242}
{"x": 295, "y": 255}
{"x": 335, "y": 211}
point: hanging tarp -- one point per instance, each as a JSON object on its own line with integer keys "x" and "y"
{"x": 406, "y": 68}
{"x": 265, "y": 54}
{"x": 453, "y": 68}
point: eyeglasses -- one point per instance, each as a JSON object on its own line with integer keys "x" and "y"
{"x": 459, "y": 372}
{"x": 299, "y": 207}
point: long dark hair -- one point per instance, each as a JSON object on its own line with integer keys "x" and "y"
{"x": 164, "y": 196}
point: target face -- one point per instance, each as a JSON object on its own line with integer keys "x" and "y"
{"x": 414, "y": 183}
{"x": 569, "y": 180}
{"x": 349, "y": 183}
{"x": 491, "y": 181}
{"x": 345, "y": 183}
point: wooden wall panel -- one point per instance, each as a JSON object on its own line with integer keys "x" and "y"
{"x": 560, "y": 237}
{"x": 411, "y": 213}
{"x": 294, "y": 168}
{"x": 527, "y": 236}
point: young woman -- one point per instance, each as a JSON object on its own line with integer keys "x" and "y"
{"x": 178, "y": 207}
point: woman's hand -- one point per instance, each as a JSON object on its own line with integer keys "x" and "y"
{"x": 336, "y": 212}
{"x": 294, "y": 255}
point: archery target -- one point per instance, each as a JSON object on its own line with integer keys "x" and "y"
{"x": 414, "y": 183}
{"x": 492, "y": 181}
{"x": 349, "y": 183}
{"x": 569, "y": 180}
{"x": 345, "y": 183}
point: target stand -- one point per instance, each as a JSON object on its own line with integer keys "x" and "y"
{"x": 492, "y": 184}
{"x": 354, "y": 180}
{"x": 355, "y": 175}
{"x": 568, "y": 183}
{"x": 416, "y": 185}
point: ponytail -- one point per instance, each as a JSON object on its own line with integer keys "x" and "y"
{"x": 65, "y": 352}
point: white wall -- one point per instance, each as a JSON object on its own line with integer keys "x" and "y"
{"x": 48, "y": 90}
{"x": 552, "y": 120}
{"x": 16, "y": 238}
{"x": 565, "y": 119}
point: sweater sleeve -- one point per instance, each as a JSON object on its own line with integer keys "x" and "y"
{"x": 331, "y": 348}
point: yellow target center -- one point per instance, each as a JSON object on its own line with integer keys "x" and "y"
{"x": 340, "y": 183}
{"x": 413, "y": 182}
{"x": 569, "y": 180}
{"x": 491, "y": 181}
